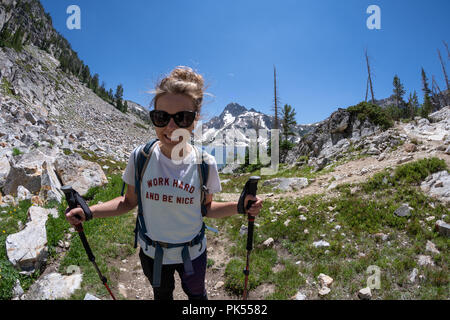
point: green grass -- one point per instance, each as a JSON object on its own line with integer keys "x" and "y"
{"x": 9, "y": 225}
{"x": 110, "y": 239}
{"x": 353, "y": 247}
{"x": 348, "y": 223}
{"x": 237, "y": 181}
{"x": 6, "y": 88}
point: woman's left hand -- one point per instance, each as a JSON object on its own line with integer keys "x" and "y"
{"x": 255, "y": 207}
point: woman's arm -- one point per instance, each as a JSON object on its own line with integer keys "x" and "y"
{"x": 114, "y": 207}
{"x": 227, "y": 209}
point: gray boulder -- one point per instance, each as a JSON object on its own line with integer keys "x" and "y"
{"x": 27, "y": 171}
{"x": 27, "y": 249}
{"x": 287, "y": 184}
{"x": 403, "y": 211}
{"x": 437, "y": 185}
{"x": 54, "y": 286}
{"x": 79, "y": 173}
{"x": 4, "y": 170}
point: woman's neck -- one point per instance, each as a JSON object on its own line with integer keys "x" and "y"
{"x": 167, "y": 150}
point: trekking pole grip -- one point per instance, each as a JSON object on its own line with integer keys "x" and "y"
{"x": 71, "y": 199}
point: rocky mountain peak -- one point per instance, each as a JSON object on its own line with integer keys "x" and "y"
{"x": 234, "y": 109}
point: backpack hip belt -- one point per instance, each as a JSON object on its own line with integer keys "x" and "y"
{"x": 159, "y": 253}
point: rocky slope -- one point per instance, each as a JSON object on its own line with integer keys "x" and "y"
{"x": 47, "y": 114}
{"x": 343, "y": 132}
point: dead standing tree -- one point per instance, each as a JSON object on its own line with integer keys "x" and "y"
{"x": 438, "y": 96}
{"x": 448, "y": 52}
{"x": 443, "y": 69}
{"x": 369, "y": 79}
{"x": 276, "y": 99}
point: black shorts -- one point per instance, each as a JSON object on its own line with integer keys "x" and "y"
{"x": 193, "y": 286}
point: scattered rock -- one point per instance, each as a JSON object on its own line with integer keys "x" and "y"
{"x": 320, "y": 244}
{"x": 381, "y": 236}
{"x": 17, "y": 290}
{"x": 413, "y": 275}
{"x": 373, "y": 151}
{"x": 287, "y": 184}
{"x": 410, "y": 147}
{"x": 299, "y": 296}
{"x": 325, "y": 280}
{"x": 324, "y": 291}
{"x": 403, "y": 211}
{"x": 243, "y": 230}
{"x": 219, "y": 285}
{"x": 27, "y": 249}
{"x": 437, "y": 185}
{"x": 425, "y": 260}
{"x": 443, "y": 228}
{"x": 405, "y": 159}
{"x": 89, "y": 296}
{"x": 79, "y": 173}
{"x": 123, "y": 290}
{"x": 431, "y": 247}
{"x": 269, "y": 242}
{"x": 53, "y": 286}
{"x": 365, "y": 294}
{"x": 23, "y": 194}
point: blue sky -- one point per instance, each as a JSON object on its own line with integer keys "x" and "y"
{"x": 316, "y": 46}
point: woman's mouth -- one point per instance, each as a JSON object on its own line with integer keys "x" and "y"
{"x": 169, "y": 138}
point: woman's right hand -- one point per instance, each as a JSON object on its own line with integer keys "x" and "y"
{"x": 75, "y": 216}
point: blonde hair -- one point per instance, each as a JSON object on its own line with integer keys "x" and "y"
{"x": 182, "y": 80}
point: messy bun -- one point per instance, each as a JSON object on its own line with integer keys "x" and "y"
{"x": 182, "y": 80}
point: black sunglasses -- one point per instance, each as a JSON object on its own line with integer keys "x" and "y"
{"x": 183, "y": 119}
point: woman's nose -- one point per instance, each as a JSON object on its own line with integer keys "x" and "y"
{"x": 172, "y": 124}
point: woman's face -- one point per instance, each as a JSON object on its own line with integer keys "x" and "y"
{"x": 173, "y": 103}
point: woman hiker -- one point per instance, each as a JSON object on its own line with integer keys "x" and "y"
{"x": 170, "y": 230}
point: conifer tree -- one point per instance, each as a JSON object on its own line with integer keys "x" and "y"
{"x": 399, "y": 92}
{"x": 94, "y": 82}
{"x": 288, "y": 121}
{"x": 118, "y": 97}
{"x": 427, "y": 107}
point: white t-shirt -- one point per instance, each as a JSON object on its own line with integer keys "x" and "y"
{"x": 170, "y": 196}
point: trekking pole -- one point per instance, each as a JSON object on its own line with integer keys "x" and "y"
{"x": 249, "y": 188}
{"x": 74, "y": 199}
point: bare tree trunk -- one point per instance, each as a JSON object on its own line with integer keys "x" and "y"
{"x": 448, "y": 52}
{"x": 370, "y": 77}
{"x": 367, "y": 88}
{"x": 437, "y": 93}
{"x": 276, "y": 125}
{"x": 443, "y": 69}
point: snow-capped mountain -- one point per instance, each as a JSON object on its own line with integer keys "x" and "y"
{"x": 234, "y": 122}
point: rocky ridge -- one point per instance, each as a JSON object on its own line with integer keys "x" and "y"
{"x": 46, "y": 115}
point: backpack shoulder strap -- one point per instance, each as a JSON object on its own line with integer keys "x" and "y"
{"x": 141, "y": 158}
{"x": 142, "y": 150}
{"x": 203, "y": 170}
